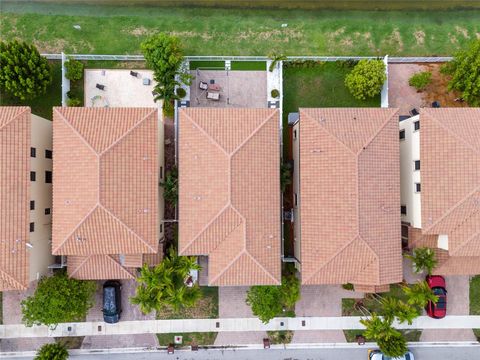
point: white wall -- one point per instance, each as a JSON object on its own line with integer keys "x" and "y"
{"x": 161, "y": 164}
{"x": 41, "y": 193}
{"x": 409, "y": 152}
{"x": 296, "y": 187}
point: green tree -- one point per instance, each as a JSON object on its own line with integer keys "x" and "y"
{"x": 24, "y": 73}
{"x": 285, "y": 176}
{"x": 165, "y": 284}
{"x": 423, "y": 260}
{"x": 170, "y": 186}
{"x": 164, "y": 55}
{"x": 54, "y": 351}
{"x": 395, "y": 346}
{"x": 465, "y": 72}
{"x": 57, "y": 299}
{"x": 270, "y": 301}
{"x": 275, "y": 57}
{"x": 420, "y": 80}
{"x": 74, "y": 69}
{"x": 395, "y": 308}
{"x": 419, "y": 294}
{"x": 366, "y": 79}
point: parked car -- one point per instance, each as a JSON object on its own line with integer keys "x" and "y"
{"x": 437, "y": 284}
{"x": 112, "y": 301}
{"x": 377, "y": 355}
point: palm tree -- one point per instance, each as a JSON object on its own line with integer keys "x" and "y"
{"x": 423, "y": 259}
{"x": 419, "y": 294}
{"x": 170, "y": 186}
{"x": 394, "y": 346}
{"x": 275, "y": 59}
{"x": 377, "y": 328}
{"x": 406, "y": 313}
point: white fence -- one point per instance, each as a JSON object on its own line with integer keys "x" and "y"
{"x": 384, "y": 93}
{"x": 65, "y": 81}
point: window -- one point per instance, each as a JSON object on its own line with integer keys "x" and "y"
{"x": 32, "y": 227}
{"x": 416, "y": 125}
{"x": 295, "y": 134}
{"x": 33, "y": 152}
{"x": 33, "y": 176}
{"x": 161, "y": 228}
{"x": 48, "y": 177}
{"x": 48, "y": 154}
{"x": 402, "y": 134}
{"x": 417, "y": 164}
{"x": 403, "y": 209}
{"x": 47, "y": 211}
{"x": 295, "y": 196}
{"x": 32, "y": 205}
{"x": 417, "y": 187}
{"x": 161, "y": 172}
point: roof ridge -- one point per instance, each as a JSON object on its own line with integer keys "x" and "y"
{"x": 25, "y": 109}
{"x": 467, "y": 241}
{"x": 79, "y": 266}
{"x": 127, "y": 227}
{"x": 453, "y": 208}
{"x": 13, "y": 280}
{"x": 252, "y": 134}
{"x": 212, "y": 140}
{"x": 261, "y": 266}
{"x": 379, "y": 130}
{"x": 211, "y": 281}
{"x": 128, "y": 132}
{"x": 451, "y": 132}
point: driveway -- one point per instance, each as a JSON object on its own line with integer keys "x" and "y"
{"x": 321, "y": 300}
{"x": 129, "y": 312}
{"x": 458, "y": 303}
{"x": 400, "y": 94}
{"x": 12, "y": 314}
{"x": 231, "y": 304}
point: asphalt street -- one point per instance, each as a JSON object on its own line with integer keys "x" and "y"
{"x": 421, "y": 353}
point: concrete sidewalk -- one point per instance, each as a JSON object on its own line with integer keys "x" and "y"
{"x": 222, "y": 325}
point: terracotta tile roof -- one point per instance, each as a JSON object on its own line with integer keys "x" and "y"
{"x": 229, "y": 186}
{"x": 14, "y": 196}
{"x": 450, "y": 157}
{"x": 105, "y": 193}
{"x": 98, "y": 267}
{"x": 350, "y": 196}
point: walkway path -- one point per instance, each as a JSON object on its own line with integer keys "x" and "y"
{"x": 224, "y": 325}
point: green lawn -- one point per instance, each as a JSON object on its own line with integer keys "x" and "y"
{"x": 120, "y": 29}
{"x": 249, "y": 65}
{"x": 207, "y": 65}
{"x": 42, "y": 105}
{"x": 207, "y": 338}
{"x": 280, "y": 337}
{"x": 410, "y": 335}
{"x": 351, "y": 307}
{"x": 475, "y": 300}
{"x": 206, "y": 308}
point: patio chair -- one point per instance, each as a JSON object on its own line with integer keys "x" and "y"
{"x": 414, "y": 112}
{"x": 100, "y": 87}
{"x": 134, "y": 73}
{"x": 215, "y": 96}
{"x": 203, "y": 85}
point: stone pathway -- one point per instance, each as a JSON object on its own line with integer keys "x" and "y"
{"x": 400, "y": 94}
{"x": 321, "y": 300}
{"x": 458, "y": 303}
{"x": 231, "y": 304}
{"x": 129, "y": 312}
{"x": 12, "y": 314}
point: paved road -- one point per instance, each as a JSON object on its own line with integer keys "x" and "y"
{"x": 423, "y": 353}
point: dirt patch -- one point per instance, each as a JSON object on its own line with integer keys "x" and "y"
{"x": 56, "y": 46}
{"x": 395, "y": 40}
{"x": 462, "y": 31}
{"x": 336, "y": 33}
{"x": 419, "y": 37}
{"x": 453, "y": 38}
{"x": 138, "y": 31}
{"x": 437, "y": 90}
{"x": 283, "y": 35}
{"x": 347, "y": 42}
{"x": 477, "y": 35}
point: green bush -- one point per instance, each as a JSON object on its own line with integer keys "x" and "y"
{"x": 181, "y": 93}
{"x": 74, "y": 69}
{"x": 73, "y": 102}
{"x": 24, "y": 73}
{"x": 57, "y": 299}
{"x": 366, "y": 79}
{"x": 170, "y": 187}
{"x": 275, "y": 93}
{"x": 53, "y": 351}
{"x": 348, "y": 286}
{"x": 420, "y": 80}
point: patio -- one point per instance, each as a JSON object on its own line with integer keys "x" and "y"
{"x": 120, "y": 88}
{"x": 236, "y": 89}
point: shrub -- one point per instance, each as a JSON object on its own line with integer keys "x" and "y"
{"x": 423, "y": 259}
{"x": 73, "y": 102}
{"x": 366, "y": 79}
{"x": 275, "y": 93}
{"x": 181, "y": 93}
{"x": 275, "y": 59}
{"x": 57, "y": 299}
{"x": 170, "y": 187}
{"x": 348, "y": 286}
{"x": 53, "y": 351}
{"x": 24, "y": 73}
{"x": 74, "y": 69}
{"x": 420, "y": 80}
{"x": 465, "y": 75}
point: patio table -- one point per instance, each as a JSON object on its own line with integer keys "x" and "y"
{"x": 214, "y": 87}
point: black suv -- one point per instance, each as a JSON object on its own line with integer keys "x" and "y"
{"x": 112, "y": 301}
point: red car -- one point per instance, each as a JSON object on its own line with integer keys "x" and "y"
{"x": 437, "y": 284}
